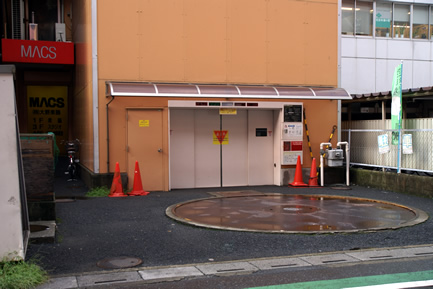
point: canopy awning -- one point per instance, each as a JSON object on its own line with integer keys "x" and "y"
{"x": 141, "y": 89}
{"x": 416, "y": 93}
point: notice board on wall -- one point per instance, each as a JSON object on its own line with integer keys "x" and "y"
{"x": 292, "y": 135}
{"x": 47, "y": 110}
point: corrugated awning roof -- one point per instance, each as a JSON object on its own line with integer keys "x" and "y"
{"x": 223, "y": 91}
{"x": 375, "y": 96}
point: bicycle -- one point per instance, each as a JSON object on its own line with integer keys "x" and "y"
{"x": 72, "y": 148}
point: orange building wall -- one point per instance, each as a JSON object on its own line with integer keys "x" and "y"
{"x": 82, "y": 103}
{"x": 321, "y": 117}
{"x": 242, "y": 41}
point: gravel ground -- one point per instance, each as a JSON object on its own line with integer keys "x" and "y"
{"x": 90, "y": 230}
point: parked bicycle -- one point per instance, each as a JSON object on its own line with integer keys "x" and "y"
{"x": 72, "y": 148}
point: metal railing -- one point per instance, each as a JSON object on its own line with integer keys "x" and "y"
{"x": 414, "y": 155}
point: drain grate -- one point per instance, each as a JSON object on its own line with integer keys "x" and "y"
{"x": 38, "y": 228}
{"x": 64, "y": 200}
{"x": 342, "y": 187}
{"x": 119, "y": 262}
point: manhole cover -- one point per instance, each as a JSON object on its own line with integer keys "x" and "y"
{"x": 119, "y": 262}
{"x": 295, "y": 214}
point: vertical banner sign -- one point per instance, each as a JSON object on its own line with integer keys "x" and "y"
{"x": 396, "y": 112}
{"x": 47, "y": 110}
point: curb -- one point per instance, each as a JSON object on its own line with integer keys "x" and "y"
{"x": 174, "y": 273}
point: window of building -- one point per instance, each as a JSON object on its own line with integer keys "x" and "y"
{"x": 348, "y": 17}
{"x": 383, "y": 19}
{"x": 401, "y": 27}
{"x": 364, "y": 18}
{"x": 420, "y": 22}
{"x": 431, "y": 22}
{"x": 391, "y": 19}
{"x": 357, "y": 17}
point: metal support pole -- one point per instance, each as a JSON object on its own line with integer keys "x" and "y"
{"x": 347, "y": 159}
{"x": 322, "y": 179}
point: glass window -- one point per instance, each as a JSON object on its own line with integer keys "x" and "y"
{"x": 401, "y": 21}
{"x": 420, "y": 22}
{"x": 431, "y": 22}
{"x": 364, "y": 18}
{"x": 383, "y": 19}
{"x": 347, "y": 17}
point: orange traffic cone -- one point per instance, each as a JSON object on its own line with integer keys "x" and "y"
{"x": 137, "y": 189}
{"x": 116, "y": 187}
{"x": 297, "y": 182}
{"x": 313, "y": 175}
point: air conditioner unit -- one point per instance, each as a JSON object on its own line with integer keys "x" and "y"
{"x": 60, "y": 32}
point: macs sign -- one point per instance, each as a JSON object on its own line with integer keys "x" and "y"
{"x": 30, "y": 51}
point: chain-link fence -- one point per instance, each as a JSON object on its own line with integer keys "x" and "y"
{"x": 375, "y": 148}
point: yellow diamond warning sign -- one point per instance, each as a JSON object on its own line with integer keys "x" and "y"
{"x": 220, "y": 137}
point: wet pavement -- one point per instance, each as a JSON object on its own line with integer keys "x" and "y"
{"x": 280, "y": 213}
{"x": 90, "y": 230}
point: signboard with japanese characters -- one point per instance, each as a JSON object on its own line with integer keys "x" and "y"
{"x": 47, "y": 110}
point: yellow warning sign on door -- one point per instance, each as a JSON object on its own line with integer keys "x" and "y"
{"x": 143, "y": 123}
{"x": 228, "y": 111}
{"x": 220, "y": 137}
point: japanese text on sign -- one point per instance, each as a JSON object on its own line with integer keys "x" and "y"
{"x": 48, "y": 110}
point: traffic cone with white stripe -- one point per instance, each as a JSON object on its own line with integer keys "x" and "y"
{"x": 137, "y": 189}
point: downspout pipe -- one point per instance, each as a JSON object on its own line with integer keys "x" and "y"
{"x": 95, "y": 81}
{"x": 108, "y": 134}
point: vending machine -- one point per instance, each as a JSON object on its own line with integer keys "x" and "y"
{"x": 292, "y": 135}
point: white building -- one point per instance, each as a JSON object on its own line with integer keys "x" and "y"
{"x": 377, "y": 35}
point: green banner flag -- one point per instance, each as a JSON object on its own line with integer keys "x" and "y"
{"x": 396, "y": 111}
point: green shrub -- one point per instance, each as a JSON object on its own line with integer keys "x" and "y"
{"x": 21, "y": 275}
{"x": 98, "y": 192}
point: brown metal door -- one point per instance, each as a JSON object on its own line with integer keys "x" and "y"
{"x": 144, "y": 144}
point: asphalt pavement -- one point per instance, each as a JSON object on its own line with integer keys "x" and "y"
{"x": 93, "y": 229}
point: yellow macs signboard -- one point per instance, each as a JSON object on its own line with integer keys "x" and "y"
{"x": 47, "y": 108}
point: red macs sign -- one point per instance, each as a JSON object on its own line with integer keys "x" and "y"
{"x": 30, "y": 51}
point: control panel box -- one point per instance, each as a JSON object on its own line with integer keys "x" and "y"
{"x": 292, "y": 134}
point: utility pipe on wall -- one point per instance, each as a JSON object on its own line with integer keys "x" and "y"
{"x": 108, "y": 134}
{"x": 322, "y": 178}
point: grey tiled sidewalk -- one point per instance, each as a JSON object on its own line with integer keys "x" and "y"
{"x": 172, "y": 273}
